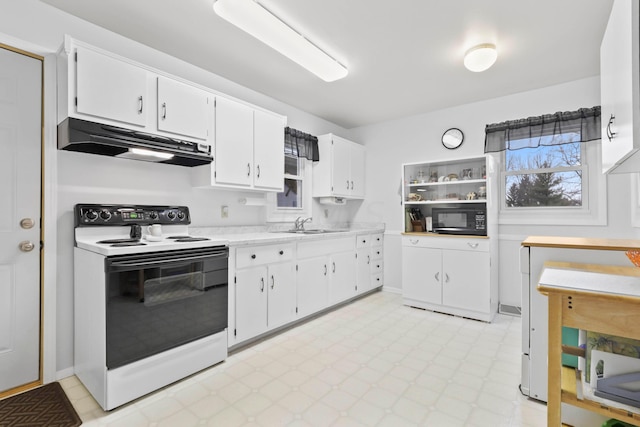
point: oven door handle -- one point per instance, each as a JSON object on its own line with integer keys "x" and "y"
{"x": 165, "y": 262}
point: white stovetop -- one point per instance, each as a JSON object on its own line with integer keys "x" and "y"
{"x": 87, "y": 238}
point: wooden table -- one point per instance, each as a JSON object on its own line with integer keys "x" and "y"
{"x": 598, "y": 298}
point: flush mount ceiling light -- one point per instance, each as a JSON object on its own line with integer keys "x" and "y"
{"x": 481, "y": 57}
{"x": 251, "y": 17}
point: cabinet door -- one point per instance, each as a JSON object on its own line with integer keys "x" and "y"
{"x": 251, "y": 302}
{"x": 364, "y": 270}
{"x": 281, "y": 307}
{"x": 233, "y": 158}
{"x": 342, "y": 282}
{"x": 268, "y": 154}
{"x": 182, "y": 109}
{"x": 110, "y": 88}
{"x": 312, "y": 282}
{"x": 341, "y": 164}
{"x": 466, "y": 280}
{"x": 357, "y": 168}
{"x": 421, "y": 274}
{"x": 618, "y": 63}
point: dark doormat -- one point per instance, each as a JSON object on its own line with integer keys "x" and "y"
{"x": 44, "y": 406}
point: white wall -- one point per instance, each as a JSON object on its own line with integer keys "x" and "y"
{"x": 81, "y": 178}
{"x": 417, "y": 138}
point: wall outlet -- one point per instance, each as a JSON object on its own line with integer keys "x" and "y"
{"x": 224, "y": 211}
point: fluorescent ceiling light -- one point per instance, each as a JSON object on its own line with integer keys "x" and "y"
{"x": 251, "y": 17}
{"x": 150, "y": 153}
{"x": 480, "y": 57}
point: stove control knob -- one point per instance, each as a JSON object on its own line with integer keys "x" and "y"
{"x": 91, "y": 215}
{"x": 153, "y": 215}
{"x": 105, "y": 215}
{"x": 171, "y": 215}
{"x": 181, "y": 215}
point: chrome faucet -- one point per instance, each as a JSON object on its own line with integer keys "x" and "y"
{"x": 299, "y": 223}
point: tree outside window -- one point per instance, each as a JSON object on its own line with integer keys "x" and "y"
{"x": 549, "y": 175}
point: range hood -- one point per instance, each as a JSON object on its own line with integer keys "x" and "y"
{"x": 96, "y": 138}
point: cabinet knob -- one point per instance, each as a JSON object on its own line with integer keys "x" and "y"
{"x": 281, "y": 252}
{"x": 253, "y": 256}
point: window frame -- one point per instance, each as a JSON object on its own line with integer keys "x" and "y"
{"x": 594, "y": 196}
{"x": 287, "y": 214}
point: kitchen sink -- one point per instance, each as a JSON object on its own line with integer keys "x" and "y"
{"x": 311, "y": 231}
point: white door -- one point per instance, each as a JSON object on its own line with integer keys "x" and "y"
{"x": 342, "y": 284}
{"x": 357, "y": 168}
{"x": 20, "y": 144}
{"x": 341, "y": 164}
{"x": 183, "y": 109}
{"x": 233, "y": 157}
{"x": 281, "y": 295}
{"x": 268, "y": 145}
{"x": 466, "y": 280}
{"x": 313, "y": 291}
{"x": 110, "y": 88}
{"x": 251, "y": 302}
{"x": 421, "y": 276}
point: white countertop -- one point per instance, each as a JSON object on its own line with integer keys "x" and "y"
{"x": 238, "y": 237}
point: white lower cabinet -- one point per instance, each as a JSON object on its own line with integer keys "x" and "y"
{"x": 326, "y": 273}
{"x": 277, "y": 284}
{"x": 265, "y": 289}
{"x": 451, "y": 275}
{"x": 313, "y": 285}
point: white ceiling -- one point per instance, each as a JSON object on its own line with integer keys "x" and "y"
{"x": 404, "y": 56}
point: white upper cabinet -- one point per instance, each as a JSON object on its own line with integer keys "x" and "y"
{"x": 268, "y": 151}
{"x": 233, "y": 159}
{"x": 183, "y": 110}
{"x": 620, "y": 86}
{"x": 249, "y": 149}
{"x": 340, "y": 171}
{"x": 109, "y": 88}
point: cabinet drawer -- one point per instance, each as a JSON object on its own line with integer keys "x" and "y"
{"x": 376, "y": 266}
{"x": 455, "y": 243}
{"x": 376, "y": 280}
{"x": 260, "y": 255}
{"x": 363, "y": 241}
{"x": 325, "y": 246}
{"x": 377, "y": 239}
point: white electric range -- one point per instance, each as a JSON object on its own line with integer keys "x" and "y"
{"x": 149, "y": 310}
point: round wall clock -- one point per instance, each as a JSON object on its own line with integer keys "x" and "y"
{"x": 452, "y": 138}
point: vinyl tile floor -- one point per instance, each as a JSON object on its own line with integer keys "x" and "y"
{"x": 373, "y": 362}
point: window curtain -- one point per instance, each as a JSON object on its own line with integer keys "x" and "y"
{"x": 550, "y": 129}
{"x": 300, "y": 144}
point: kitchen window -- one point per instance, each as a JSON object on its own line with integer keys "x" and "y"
{"x": 549, "y": 169}
{"x": 295, "y": 200}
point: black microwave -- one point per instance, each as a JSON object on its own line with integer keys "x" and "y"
{"x": 460, "y": 220}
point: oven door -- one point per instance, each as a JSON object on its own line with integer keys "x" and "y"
{"x": 161, "y": 300}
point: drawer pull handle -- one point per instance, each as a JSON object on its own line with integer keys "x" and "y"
{"x": 473, "y": 245}
{"x": 414, "y": 241}
{"x": 253, "y": 256}
{"x": 281, "y": 252}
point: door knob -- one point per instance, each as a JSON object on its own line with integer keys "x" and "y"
{"x": 27, "y": 223}
{"x": 26, "y": 246}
